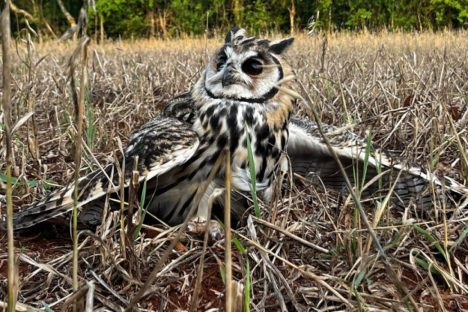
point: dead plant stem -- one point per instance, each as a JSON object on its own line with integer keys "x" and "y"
{"x": 82, "y": 47}
{"x": 6, "y": 37}
{"x": 228, "y": 238}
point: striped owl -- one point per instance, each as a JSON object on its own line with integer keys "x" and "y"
{"x": 236, "y": 97}
{"x": 241, "y": 94}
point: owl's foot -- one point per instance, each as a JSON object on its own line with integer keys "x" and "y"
{"x": 200, "y": 225}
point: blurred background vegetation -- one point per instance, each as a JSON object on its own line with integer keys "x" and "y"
{"x": 174, "y": 18}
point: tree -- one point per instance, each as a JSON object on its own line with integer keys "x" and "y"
{"x": 450, "y": 13}
{"x": 166, "y": 18}
{"x": 125, "y": 18}
{"x": 190, "y": 17}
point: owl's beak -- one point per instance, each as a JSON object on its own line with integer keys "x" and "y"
{"x": 228, "y": 76}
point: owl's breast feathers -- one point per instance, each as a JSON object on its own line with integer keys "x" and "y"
{"x": 226, "y": 123}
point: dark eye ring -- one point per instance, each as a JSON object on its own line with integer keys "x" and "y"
{"x": 252, "y": 67}
{"x": 221, "y": 61}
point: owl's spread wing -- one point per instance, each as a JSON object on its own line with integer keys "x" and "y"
{"x": 160, "y": 145}
{"x": 311, "y": 158}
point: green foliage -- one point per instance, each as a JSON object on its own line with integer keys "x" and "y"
{"x": 122, "y": 17}
{"x": 359, "y": 18}
{"x": 432, "y": 239}
{"x": 47, "y": 307}
{"x": 450, "y": 13}
{"x": 460, "y": 239}
{"x": 30, "y": 183}
{"x": 248, "y": 286}
{"x": 141, "y": 18}
{"x": 257, "y": 16}
{"x": 463, "y": 17}
{"x": 191, "y": 16}
{"x": 263, "y": 16}
{"x": 323, "y": 14}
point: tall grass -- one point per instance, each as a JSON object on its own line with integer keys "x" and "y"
{"x": 80, "y": 56}
{"x": 6, "y": 104}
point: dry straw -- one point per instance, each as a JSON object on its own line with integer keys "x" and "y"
{"x": 6, "y": 103}
{"x": 312, "y": 247}
{"x": 79, "y": 103}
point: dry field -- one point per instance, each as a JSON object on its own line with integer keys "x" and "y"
{"x": 410, "y": 91}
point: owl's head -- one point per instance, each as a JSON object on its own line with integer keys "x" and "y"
{"x": 246, "y": 68}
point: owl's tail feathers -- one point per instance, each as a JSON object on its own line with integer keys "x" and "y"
{"x": 57, "y": 206}
{"x": 311, "y": 158}
{"x": 51, "y": 207}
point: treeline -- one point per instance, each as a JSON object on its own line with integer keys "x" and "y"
{"x": 169, "y": 18}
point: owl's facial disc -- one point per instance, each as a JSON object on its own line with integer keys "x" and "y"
{"x": 246, "y": 75}
{"x": 245, "y": 69}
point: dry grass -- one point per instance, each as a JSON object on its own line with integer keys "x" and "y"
{"x": 409, "y": 90}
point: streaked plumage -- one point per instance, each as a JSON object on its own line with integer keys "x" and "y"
{"x": 161, "y": 144}
{"x": 236, "y": 97}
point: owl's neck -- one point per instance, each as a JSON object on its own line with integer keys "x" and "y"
{"x": 277, "y": 109}
{"x": 263, "y": 99}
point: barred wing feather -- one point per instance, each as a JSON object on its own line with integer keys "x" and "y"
{"x": 161, "y": 145}
{"x": 311, "y": 158}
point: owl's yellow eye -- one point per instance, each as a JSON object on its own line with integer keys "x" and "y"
{"x": 252, "y": 67}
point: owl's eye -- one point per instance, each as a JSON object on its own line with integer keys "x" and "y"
{"x": 221, "y": 61}
{"x": 252, "y": 67}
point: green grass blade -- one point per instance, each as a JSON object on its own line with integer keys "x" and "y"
{"x": 30, "y": 183}
{"x": 432, "y": 239}
{"x": 366, "y": 159}
{"x": 359, "y": 278}
{"x": 248, "y": 286}
{"x": 222, "y": 272}
{"x": 253, "y": 176}
{"x": 91, "y": 128}
{"x": 137, "y": 231}
{"x": 423, "y": 264}
{"x": 460, "y": 239}
{"x": 238, "y": 245}
{"x": 47, "y": 307}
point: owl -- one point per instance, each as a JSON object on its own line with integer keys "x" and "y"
{"x": 237, "y": 99}
{"x": 240, "y": 101}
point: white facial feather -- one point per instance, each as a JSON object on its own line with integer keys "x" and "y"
{"x": 245, "y": 86}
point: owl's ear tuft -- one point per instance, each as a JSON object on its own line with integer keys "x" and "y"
{"x": 235, "y": 35}
{"x": 230, "y": 35}
{"x": 280, "y": 46}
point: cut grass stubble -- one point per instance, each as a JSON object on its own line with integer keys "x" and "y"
{"x": 390, "y": 83}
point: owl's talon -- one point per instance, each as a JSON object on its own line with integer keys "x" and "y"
{"x": 199, "y": 226}
{"x": 215, "y": 230}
